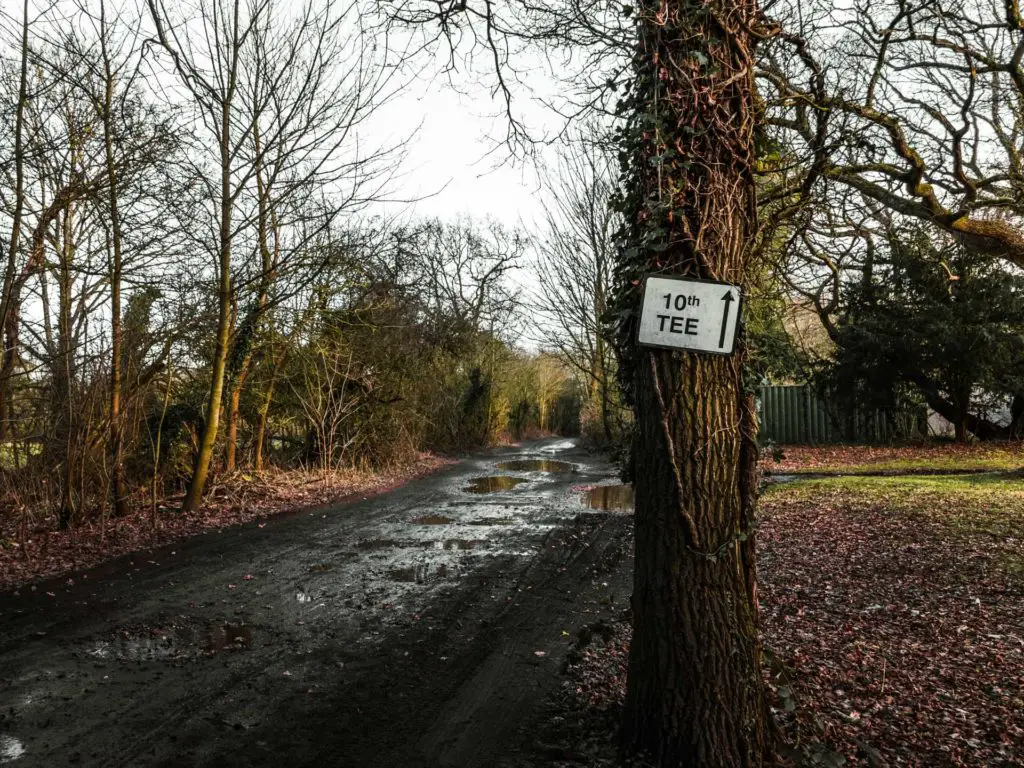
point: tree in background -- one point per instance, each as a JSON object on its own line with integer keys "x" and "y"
{"x": 279, "y": 95}
{"x": 575, "y": 261}
{"x": 936, "y": 322}
{"x": 169, "y": 239}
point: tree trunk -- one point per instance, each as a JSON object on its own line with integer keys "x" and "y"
{"x": 119, "y": 489}
{"x": 7, "y": 306}
{"x": 695, "y": 692}
{"x": 234, "y": 415}
{"x": 268, "y": 399}
{"x": 961, "y": 406}
{"x": 1016, "y": 429}
{"x": 64, "y": 420}
{"x": 208, "y": 436}
{"x": 246, "y": 338}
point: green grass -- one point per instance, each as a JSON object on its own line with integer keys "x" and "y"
{"x": 874, "y": 485}
{"x": 997, "y": 461}
{"x": 929, "y": 457}
{"x": 989, "y": 504}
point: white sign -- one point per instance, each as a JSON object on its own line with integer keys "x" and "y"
{"x": 690, "y": 314}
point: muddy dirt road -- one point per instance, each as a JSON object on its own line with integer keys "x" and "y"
{"x": 419, "y": 628}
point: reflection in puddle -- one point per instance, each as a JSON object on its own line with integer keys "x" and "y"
{"x": 417, "y": 574}
{"x": 537, "y": 465}
{"x": 432, "y": 520}
{"x": 10, "y": 749}
{"x": 173, "y": 643}
{"x": 302, "y": 597}
{"x": 493, "y": 484}
{"x": 229, "y": 637}
{"x": 610, "y": 497}
{"x": 453, "y": 544}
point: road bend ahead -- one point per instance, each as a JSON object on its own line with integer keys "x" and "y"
{"x": 423, "y": 627}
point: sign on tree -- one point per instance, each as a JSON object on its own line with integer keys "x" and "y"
{"x": 690, "y": 314}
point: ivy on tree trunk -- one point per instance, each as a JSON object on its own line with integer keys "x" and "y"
{"x": 695, "y": 691}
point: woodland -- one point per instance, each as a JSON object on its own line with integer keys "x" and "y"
{"x": 203, "y": 310}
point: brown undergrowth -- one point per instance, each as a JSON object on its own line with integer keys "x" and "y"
{"x": 37, "y": 550}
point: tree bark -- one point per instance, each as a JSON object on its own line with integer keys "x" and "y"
{"x": 7, "y": 303}
{"x": 119, "y": 489}
{"x": 695, "y": 692}
{"x": 208, "y": 436}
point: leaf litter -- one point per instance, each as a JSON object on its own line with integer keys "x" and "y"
{"x": 893, "y": 619}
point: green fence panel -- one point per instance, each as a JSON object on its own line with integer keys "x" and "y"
{"x": 794, "y": 415}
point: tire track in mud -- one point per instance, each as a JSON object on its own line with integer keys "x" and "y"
{"x": 399, "y": 631}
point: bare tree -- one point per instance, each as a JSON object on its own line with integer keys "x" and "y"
{"x": 15, "y": 203}
{"x": 575, "y": 265}
{"x": 281, "y": 97}
{"x": 916, "y": 107}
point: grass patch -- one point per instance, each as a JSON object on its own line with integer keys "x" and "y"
{"x": 991, "y": 503}
{"x": 937, "y": 457}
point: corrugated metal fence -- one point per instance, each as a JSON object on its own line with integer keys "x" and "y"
{"x": 795, "y": 415}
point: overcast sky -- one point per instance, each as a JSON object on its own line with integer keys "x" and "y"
{"x": 456, "y": 163}
{"x": 451, "y": 165}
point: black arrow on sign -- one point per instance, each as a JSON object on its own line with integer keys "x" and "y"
{"x": 728, "y": 299}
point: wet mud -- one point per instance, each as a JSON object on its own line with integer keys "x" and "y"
{"x": 378, "y": 633}
{"x": 537, "y": 465}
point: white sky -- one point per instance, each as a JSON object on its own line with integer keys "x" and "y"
{"x": 450, "y": 162}
{"x": 456, "y": 163}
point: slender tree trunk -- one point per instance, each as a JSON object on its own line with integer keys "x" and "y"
{"x": 695, "y": 692}
{"x": 234, "y": 415}
{"x": 157, "y": 444}
{"x": 208, "y": 436}
{"x": 265, "y": 222}
{"x": 268, "y": 399}
{"x": 118, "y": 484}
{"x": 63, "y": 424}
{"x": 10, "y": 271}
{"x": 261, "y": 426}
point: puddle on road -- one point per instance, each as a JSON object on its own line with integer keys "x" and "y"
{"x": 420, "y": 573}
{"x": 493, "y": 484}
{"x": 536, "y": 465}
{"x": 432, "y": 520}
{"x": 10, "y": 749}
{"x": 229, "y": 637}
{"x": 181, "y": 641}
{"x": 463, "y": 544}
{"x": 611, "y": 498}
